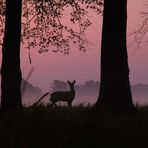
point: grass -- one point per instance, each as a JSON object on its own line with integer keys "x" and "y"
{"x": 59, "y": 127}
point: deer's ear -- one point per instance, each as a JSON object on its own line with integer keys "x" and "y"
{"x": 74, "y": 81}
{"x": 68, "y": 82}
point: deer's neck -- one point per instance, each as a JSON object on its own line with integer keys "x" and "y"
{"x": 72, "y": 90}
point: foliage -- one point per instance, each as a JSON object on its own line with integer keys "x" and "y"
{"x": 50, "y": 23}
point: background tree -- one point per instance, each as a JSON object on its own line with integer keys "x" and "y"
{"x": 115, "y": 90}
{"x": 139, "y": 35}
{"x": 58, "y": 85}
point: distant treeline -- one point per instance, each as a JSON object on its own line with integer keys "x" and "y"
{"x": 89, "y": 87}
{"x": 89, "y": 91}
{"x": 85, "y": 93}
{"x": 92, "y": 86}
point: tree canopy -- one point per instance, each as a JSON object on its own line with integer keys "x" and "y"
{"x": 57, "y": 23}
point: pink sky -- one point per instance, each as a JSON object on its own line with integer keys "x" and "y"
{"x": 77, "y": 65}
{"x": 86, "y": 66}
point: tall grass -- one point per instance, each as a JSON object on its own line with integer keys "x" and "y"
{"x": 60, "y": 127}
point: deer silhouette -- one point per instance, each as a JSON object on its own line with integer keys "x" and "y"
{"x": 64, "y": 96}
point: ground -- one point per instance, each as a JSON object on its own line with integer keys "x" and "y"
{"x": 61, "y": 127}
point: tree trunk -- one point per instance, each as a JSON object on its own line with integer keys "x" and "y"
{"x": 10, "y": 70}
{"x": 115, "y": 90}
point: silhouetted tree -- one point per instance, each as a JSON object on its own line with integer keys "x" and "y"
{"x": 10, "y": 70}
{"x": 115, "y": 90}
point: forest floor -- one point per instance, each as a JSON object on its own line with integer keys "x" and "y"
{"x": 59, "y": 127}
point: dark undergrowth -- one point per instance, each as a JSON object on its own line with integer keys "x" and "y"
{"x": 60, "y": 127}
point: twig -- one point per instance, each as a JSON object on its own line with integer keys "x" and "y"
{"x": 41, "y": 98}
{"x": 27, "y": 78}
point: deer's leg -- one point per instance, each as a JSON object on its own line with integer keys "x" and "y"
{"x": 53, "y": 103}
{"x": 69, "y": 104}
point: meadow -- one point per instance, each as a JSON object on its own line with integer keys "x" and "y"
{"x": 61, "y": 127}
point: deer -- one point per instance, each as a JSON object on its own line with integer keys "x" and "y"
{"x": 64, "y": 96}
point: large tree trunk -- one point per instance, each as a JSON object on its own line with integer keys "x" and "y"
{"x": 10, "y": 70}
{"x": 115, "y": 90}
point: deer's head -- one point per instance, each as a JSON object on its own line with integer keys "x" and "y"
{"x": 71, "y": 83}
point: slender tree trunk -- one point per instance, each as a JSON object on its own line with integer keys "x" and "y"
{"x": 10, "y": 70}
{"x": 115, "y": 90}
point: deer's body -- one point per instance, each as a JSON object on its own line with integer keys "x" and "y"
{"x": 65, "y": 96}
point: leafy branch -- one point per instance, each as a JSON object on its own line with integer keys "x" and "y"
{"x": 54, "y": 24}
